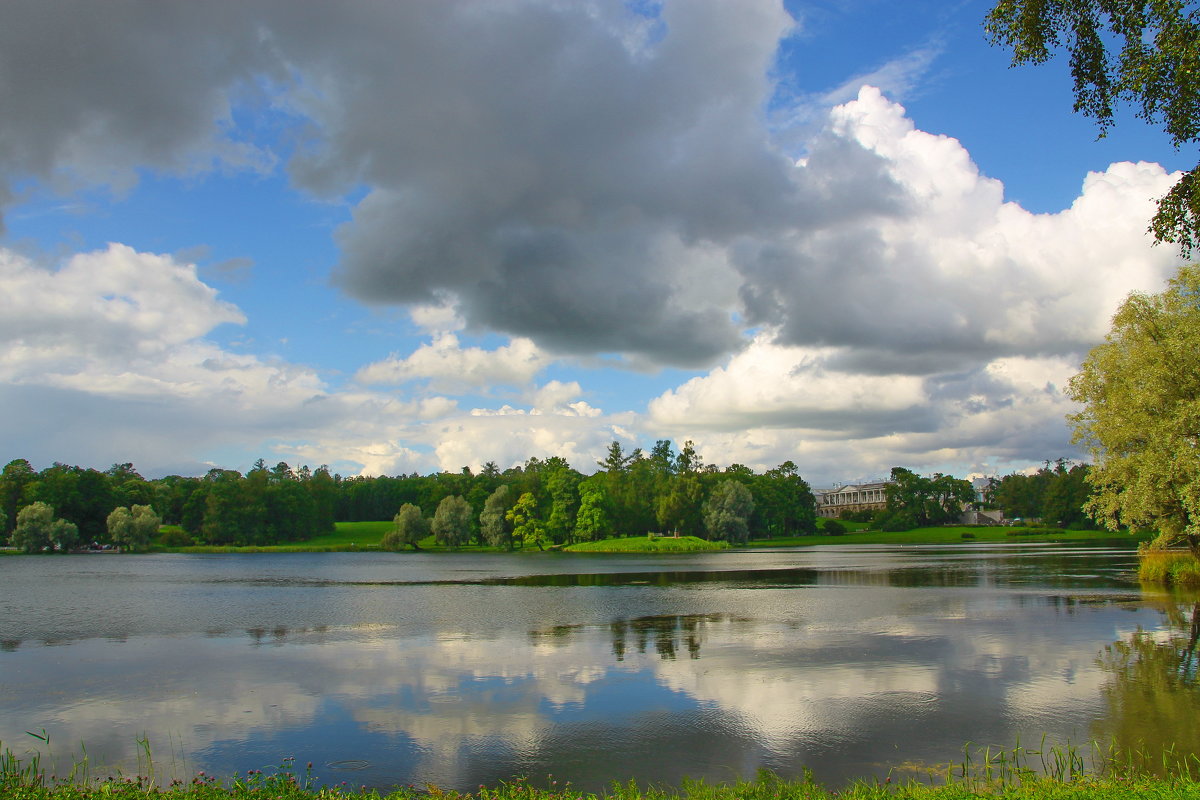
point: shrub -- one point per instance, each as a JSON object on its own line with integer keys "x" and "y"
{"x": 898, "y": 521}
{"x": 832, "y": 527}
{"x": 175, "y": 537}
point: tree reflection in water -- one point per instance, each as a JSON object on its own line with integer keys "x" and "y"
{"x": 1153, "y": 693}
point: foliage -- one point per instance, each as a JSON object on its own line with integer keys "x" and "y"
{"x": 38, "y": 529}
{"x": 272, "y": 505}
{"x": 409, "y": 527}
{"x": 493, "y": 520}
{"x": 831, "y": 527}
{"x": 727, "y": 512}
{"x": 452, "y": 521}
{"x": 14, "y": 483}
{"x": 1055, "y": 494}
{"x": 133, "y": 528}
{"x": 591, "y": 521}
{"x": 914, "y": 501}
{"x": 679, "y": 508}
{"x": 526, "y": 527}
{"x": 175, "y": 536}
{"x": 1140, "y": 392}
{"x": 562, "y": 484}
{"x": 1145, "y": 53}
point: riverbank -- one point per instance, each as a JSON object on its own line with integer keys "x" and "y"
{"x": 954, "y": 534}
{"x": 648, "y": 544}
{"x": 349, "y": 537}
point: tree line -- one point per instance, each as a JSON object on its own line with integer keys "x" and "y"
{"x": 1056, "y": 494}
{"x": 539, "y": 503}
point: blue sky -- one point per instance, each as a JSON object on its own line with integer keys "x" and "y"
{"x": 397, "y": 237}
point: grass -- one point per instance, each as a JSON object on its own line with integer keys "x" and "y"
{"x": 951, "y": 534}
{"x": 347, "y": 537}
{"x": 1053, "y": 773}
{"x": 647, "y": 544}
{"x": 1170, "y": 567}
{"x": 365, "y": 536}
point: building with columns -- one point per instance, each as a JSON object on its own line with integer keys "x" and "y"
{"x": 852, "y": 497}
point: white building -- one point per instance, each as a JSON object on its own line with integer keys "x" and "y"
{"x": 852, "y": 497}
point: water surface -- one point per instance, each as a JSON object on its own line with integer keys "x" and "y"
{"x": 459, "y": 669}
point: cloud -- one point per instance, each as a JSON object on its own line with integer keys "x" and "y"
{"x": 94, "y": 93}
{"x": 773, "y": 403}
{"x": 445, "y": 364}
{"x": 956, "y": 274}
{"x": 584, "y": 180}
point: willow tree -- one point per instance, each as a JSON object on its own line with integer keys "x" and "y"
{"x": 1141, "y": 53}
{"x": 1140, "y": 392}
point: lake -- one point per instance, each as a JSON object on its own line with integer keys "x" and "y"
{"x": 465, "y": 669}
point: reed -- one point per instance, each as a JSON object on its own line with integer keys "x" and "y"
{"x": 1169, "y": 567}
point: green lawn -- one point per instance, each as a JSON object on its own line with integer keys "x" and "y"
{"x": 346, "y": 537}
{"x": 356, "y": 536}
{"x": 645, "y": 544}
{"x": 952, "y": 534}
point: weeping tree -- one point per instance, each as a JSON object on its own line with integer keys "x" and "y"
{"x": 727, "y": 512}
{"x": 38, "y": 529}
{"x": 452, "y": 521}
{"x": 409, "y": 527}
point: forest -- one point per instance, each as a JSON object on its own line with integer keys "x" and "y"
{"x": 544, "y": 501}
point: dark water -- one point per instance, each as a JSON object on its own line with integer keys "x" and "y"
{"x": 457, "y": 670}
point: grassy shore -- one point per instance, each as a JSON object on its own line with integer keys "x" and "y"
{"x": 1169, "y": 567}
{"x": 951, "y": 534}
{"x": 365, "y": 536}
{"x": 647, "y": 544}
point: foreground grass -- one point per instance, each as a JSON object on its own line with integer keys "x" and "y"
{"x": 1048, "y": 772}
{"x": 951, "y": 534}
{"x": 646, "y": 544}
{"x": 765, "y": 787}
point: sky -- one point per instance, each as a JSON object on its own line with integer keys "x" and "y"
{"x": 397, "y": 237}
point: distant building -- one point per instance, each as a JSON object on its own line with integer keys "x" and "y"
{"x": 852, "y": 497}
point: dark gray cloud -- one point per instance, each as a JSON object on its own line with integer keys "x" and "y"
{"x": 535, "y": 160}
{"x": 596, "y": 179}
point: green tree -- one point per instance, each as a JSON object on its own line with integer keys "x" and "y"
{"x": 1144, "y": 53}
{"x": 409, "y": 527}
{"x": 562, "y": 484}
{"x": 452, "y": 521}
{"x": 38, "y": 529}
{"x": 526, "y": 527}
{"x": 1140, "y": 392}
{"x": 591, "y": 522}
{"x": 679, "y": 509}
{"x": 15, "y": 480}
{"x": 133, "y": 528}
{"x": 727, "y": 512}
{"x": 493, "y": 522}
{"x": 914, "y": 501}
